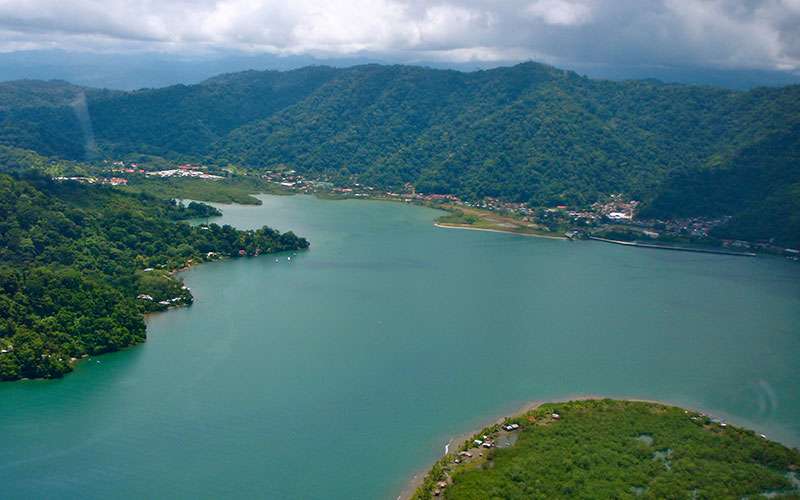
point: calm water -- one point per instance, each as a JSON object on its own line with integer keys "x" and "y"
{"x": 342, "y": 373}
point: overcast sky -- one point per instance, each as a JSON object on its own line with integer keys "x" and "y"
{"x": 731, "y": 34}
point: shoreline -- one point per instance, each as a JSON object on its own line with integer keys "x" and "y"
{"x": 417, "y": 479}
{"x": 534, "y": 235}
{"x": 652, "y": 246}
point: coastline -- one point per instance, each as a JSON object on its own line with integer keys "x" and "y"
{"x": 637, "y": 244}
{"x": 417, "y": 479}
{"x": 457, "y": 226}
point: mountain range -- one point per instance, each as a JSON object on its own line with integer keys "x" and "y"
{"x": 530, "y": 133}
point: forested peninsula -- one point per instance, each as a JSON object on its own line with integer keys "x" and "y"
{"x": 80, "y": 265}
{"x": 604, "y": 448}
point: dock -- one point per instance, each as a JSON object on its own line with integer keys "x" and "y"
{"x": 673, "y": 248}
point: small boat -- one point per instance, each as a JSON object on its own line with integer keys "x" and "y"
{"x": 289, "y": 259}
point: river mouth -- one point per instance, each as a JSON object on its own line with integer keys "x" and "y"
{"x": 340, "y": 373}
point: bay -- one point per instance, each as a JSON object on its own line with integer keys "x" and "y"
{"x": 343, "y": 371}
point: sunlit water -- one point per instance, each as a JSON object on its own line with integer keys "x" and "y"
{"x": 343, "y": 372}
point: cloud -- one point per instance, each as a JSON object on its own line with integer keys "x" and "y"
{"x": 560, "y": 12}
{"x": 708, "y": 33}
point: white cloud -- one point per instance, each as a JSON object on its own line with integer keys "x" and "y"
{"x": 561, "y": 12}
{"x": 716, "y": 33}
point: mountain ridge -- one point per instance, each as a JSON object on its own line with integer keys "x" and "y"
{"x": 530, "y": 132}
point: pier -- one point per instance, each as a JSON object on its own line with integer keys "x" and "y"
{"x": 677, "y": 249}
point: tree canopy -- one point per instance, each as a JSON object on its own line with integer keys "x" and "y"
{"x": 79, "y": 265}
{"x": 620, "y": 449}
{"x": 528, "y": 133}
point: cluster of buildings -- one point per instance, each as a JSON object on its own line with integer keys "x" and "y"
{"x": 132, "y": 168}
{"x": 286, "y": 178}
{"x": 111, "y": 181}
{"x": 178, "y": 172}
{"x": 121, "y": 172}
{"x": 692, "y": 227}
{"x": 616, "y": 208}
{"x": 185, "y": 170}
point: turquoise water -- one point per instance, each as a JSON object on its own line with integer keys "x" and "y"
{"x": 343, "y": 372}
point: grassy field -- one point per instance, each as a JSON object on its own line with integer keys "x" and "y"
{"x": 474, "y": 218}
{"x": 616, "y": 449}
{"x": 233, "y": 190}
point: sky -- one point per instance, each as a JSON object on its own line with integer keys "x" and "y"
{"x": 713, "y": 34}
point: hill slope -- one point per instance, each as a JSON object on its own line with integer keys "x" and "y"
{"x": 529, "y": 133}
{"x": 74, "y": 258}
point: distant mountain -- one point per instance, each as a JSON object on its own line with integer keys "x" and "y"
{"x": 135, "y": 70}
{"x": 529, "y": 133}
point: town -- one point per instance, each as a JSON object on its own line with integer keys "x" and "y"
{"x": 615, "y": 218}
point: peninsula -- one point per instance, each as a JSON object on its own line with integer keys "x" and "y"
{"x": 80, "y": 264}
{"x": 613, "y": 449}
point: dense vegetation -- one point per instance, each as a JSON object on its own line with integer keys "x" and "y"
{"x": 79, "y": 265}
{"x": 528, "y": 133}
{"x": 37, "y": 93}
{"x": 622, "y": 449}
{"x": 231, "y": 190}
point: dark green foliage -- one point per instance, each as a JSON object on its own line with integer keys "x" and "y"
{"x": 195, "y": 210}
{"x": 760, "y": 184}
{"x": 74, "y": 258}
{"x": 17, "y": 160}
{"x": 593, "y": 452}
{"x": 185, "y": 120}
{"x": 230, "y": 190}
{"x": 37, "y": 93}
{"x": 529, "y": 133}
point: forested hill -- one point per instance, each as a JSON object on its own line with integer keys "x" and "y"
{"x": 79, "y": 265}
{"x": 529, "y": 133}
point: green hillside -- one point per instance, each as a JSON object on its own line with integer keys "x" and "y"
{"x": 529, "y": 133}
{"x": 74, "y": 258}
